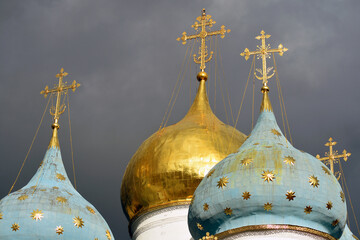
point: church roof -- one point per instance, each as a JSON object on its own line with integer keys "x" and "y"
{"x": 268, "y": 182}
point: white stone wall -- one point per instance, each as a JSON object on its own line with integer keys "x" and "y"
{"x": 168, "y": 223}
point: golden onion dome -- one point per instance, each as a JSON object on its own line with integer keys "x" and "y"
{"x": 169, "y": 165}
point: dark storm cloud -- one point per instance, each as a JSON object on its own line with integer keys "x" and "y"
{"x": 125, "y": 56}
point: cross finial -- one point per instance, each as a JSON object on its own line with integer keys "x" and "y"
{"x": 203, "y": 22}
{"x": 59, "y": 89}
{"x": 263, "y": 52}
{"x": 333, "y": 157}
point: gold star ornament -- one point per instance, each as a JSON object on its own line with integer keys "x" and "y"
{"x": 23, "y": 197}
{"x": 78, "y": 222}
{"x": 199, "y": 226}
{"x": 222, "y": 182}
{"x": 228, "y": 211}
{"x": 335, "y": 222}
{"x": 308, "y": 209}
{"x": 268, "y": 176}
{"x": 342, "y": 196}
{"x": 246, "y": 195}
{"x": 1, "y": 215}
{"x": 60, "y": 177}
{"x": 313, "y": 181}
{"x": 61, "y": 199}
{"x": 289, "y": 160}
{"x": 290, "y": 195}
{"x": 246, "y": 161}
{"x": 326, "y": 170}
{"x": 329, "y": 205}
{"x": 206, "y": 206}
{"x": 59, "y": 230}
{"x": 15, "y": 227}
{"x": 275, "y": 132}
{"x": 108, "y": 235}
{"x": 37, "y": 215}
{"x": 268, "y": 206}
{"x": 90, "y": 209}
{"x": 210, "y": 173}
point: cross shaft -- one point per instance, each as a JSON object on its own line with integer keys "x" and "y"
{"x": 59, "y": 89}
{"x": 332, "y": 156}
{"x": 203, "y": 21}
{"x": 263, "y": 52}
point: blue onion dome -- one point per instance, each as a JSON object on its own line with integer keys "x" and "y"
{"x": 49, "y": 207}
{"x": 268, "y": 184}
{"x": 348, "y": 235}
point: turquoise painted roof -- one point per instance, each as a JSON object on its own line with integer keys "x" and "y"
{"x": 347, "y": 234}
{"x": 58, "y": 205}
{"x": 221, "y": 203}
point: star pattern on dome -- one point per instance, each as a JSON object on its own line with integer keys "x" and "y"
{"x": 61, "y": 199}
{"x": 59, "y": 230}
{"x": 206, "y": 206}
{"x": 275, "y": 132}
{"x": 210, "y": 173}
{"x": 199, "y": 226}
{"x": 15, "y": 227}
{"x": 329, "y": 205}
{"x": 342, "y": 196}
{"x": 23, "y": 197}
{"x": 90, "y": 209}
{"x": 60, "y": 177}
{"x": 246, "y": 195}
{"x": 228, "y": 211}
{"x": 335, "y": 222}
{"x": 308, "y": 209}
{"x": 55, "y": 188}
{"x": 268, "y": 206}
{"x": 246, "y": 161}
{"x": 314, "y": 181}
{"x": 108, "y": 235}
{"x": 290, "y": 195}
{"x": 222, "y": 182}
{"x": 37, "y": 215}
{"x": 289, "y": 160}
{"x": 268, "y": 176}
{"x": 78, "y": 222}
{"x": 325, "y": 170}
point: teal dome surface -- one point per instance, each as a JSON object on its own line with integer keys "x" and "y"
{"x": 348, "y": 235}
{"x": 268, "y": 183}
{"x": 49, "y": 207}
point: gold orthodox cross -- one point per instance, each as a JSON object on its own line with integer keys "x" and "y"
{"x": 263, "y": 52}
{"x": 332, "y": 156}
{"x": 202, "y": 22}
{"x": 59, "y": 89}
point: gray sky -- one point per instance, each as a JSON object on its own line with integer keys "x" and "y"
{"x": 125, "y": 55}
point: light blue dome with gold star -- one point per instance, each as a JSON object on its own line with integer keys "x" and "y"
{"x": 49, "y": 207}
{"x": 347, "y": 234}
{"x": 268, "y": 184}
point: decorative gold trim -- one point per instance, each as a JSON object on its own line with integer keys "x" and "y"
{"x": 273, "y": 227}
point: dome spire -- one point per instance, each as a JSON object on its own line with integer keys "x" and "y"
{"x": 59, "y": 108}
{"x": 202, "y": 22}
{"x": 263, "y": 52}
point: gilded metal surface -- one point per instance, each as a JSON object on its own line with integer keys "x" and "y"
{"x": 290, "y": 195}
{"x": 333, "y": 157}
{"x": 202, "y": 22}
{"x": 228, "y": 211}
{"x": 274, "y": 227}
{"x": 208, "y": 237}
{"x": 263, "y": 52}
{"x": 222, "y": 182}
{"x": 268, "y": 206}
{"x": 59, "y": 108}
{"x": 167, "y": 168}
{"x": 308, "y": 209}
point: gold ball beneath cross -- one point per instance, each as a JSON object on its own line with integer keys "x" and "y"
{"x": 202, "y": 76}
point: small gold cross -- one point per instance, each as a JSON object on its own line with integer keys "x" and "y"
{"x": 203, "y": 21}
{"x": 263, "y": 52}
{"x": 59, "y": 89}
{"x": 333, "y": 157}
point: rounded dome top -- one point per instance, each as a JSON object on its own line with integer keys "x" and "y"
{"x": 49, "y": 207}
{"x": 169, "y": 165}
{"x": 268, "y": 184}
